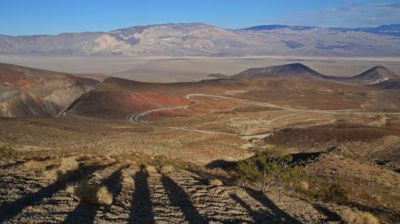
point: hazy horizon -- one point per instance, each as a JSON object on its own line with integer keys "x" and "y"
{"x": 198, "y": 22}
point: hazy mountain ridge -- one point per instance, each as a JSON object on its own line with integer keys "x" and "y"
{"x": 197, "y": 39}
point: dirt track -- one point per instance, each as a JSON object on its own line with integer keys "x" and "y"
{"x": 135, "y": 118}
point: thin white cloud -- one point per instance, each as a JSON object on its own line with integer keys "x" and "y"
{"x": 351, "y": 14}
{"x": 391, "y": 5}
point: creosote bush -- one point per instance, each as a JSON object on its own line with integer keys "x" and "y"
{"x": 323, "y": 190}
{"x": 265, "y": 170}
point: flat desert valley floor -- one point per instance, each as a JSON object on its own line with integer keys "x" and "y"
{"x": 178, "y": 152}
{"x": 168, "y": 69}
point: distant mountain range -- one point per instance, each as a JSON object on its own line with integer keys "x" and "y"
{"x": 197, "y": 39}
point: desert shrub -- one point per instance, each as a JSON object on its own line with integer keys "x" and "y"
{"x": 323, "y": 190}
{"x": 336, "y": 192}
{"x": 327, "y": 133}
{"x": 265, "y": 170}
{"x": 351, "y": 216}
{"x": 304, "y": 185}
{"x": 68, "y": 164}
{"x": 7, "y": 152}
{"x": 160, "y": 160}
{"x": 93, "y": 193}
{"x": 215, "y": 182}
{"x": 167, "y": 169}
{"x": 151, "y": 169}
{"x": 52, "y": 174}
{"x": 103, "y": 196}
{"x": 35, "y": 165}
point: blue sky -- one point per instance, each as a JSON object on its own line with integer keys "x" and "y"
{"x": 20, "y": 17}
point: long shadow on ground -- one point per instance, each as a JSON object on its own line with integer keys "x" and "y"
{"x": 142, "y": 211}
{"x": 178, "y": 197}
{"x": 258, "y": 217}
{"x": 262, "y": 217}
{"x": 9, "y": 165}
{"x": 113, "y": 182}
{"x": 276, "y": 211}
{"x": 84, "y": 213}
{"x": 10, "y": 210}
{"x": 297, "y": 159}
{"x": 330, "y": 215}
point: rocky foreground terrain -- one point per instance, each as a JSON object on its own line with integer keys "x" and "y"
{"x": 140, "y": 195}
{"x": 43, "y": 183}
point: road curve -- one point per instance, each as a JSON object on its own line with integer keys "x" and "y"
{"x": 135, "y": 118}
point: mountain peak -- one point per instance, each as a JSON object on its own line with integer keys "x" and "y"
{"x": 381, "y": 71}
{"x": 275, "y": 27}
{"x": 289, "y": 70}
{"x": 296, "y": 66}
{"x": 374, "y": 75}
{"x": 175, "y": 25}
{"x": 379, "y": 68}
